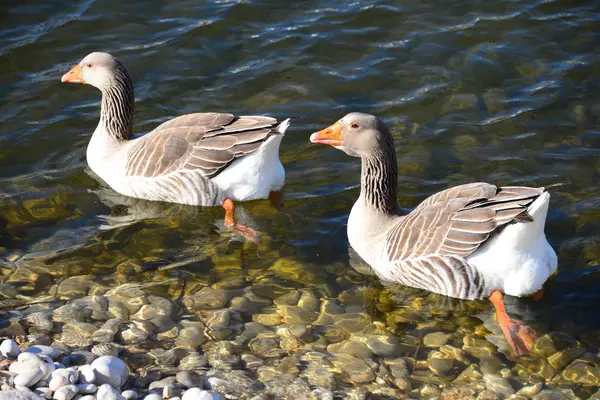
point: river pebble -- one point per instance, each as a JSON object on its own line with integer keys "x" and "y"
{"x": 10, "y": 349}
{"x": 110, "y": 370}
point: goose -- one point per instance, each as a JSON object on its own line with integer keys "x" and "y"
{"x": 470, "y": 242}
{"x": 200, "y": 159}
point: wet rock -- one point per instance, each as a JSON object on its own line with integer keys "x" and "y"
{"x": 319, "y": 374}
{"x": 352, "y": 348}
{"x": 191, "y": 336}
{"x": 582, "y": 373}
{"x": 289, "y": 299}
{"x": 75, "y": 311}
{"x": 271, "y": 319}
{"x": 110, "y": 370}
{"x": 193, "y": 361}
{"x": 265, "y": 346}
{"x": 42, "y": 320}
{"x": 439, "y": 363}
{"x": 551, "y": 343}
{"x": 498, "y": 384}
{"x": 399, "y": 370}
{"x": 436, "y": 339}
{"x": 138, "y": 331}
{"x": 79, "y": 357}
{"x": 223, "y": 324}
{"x": 352, "y": 322}
{"x": 163, "y": 324}
{"x": 107, "y": 349}
{"x": 9, "y": 349}
{"x": 107, "y": 331}
{"x": 161, "y": 384}
{"x": 208, "y": 298}
{"x": 387, "y": 345}
{"x": 252, "y": 362}
{"x": 357, "y": 369}
{"x": 189, "y": 379}
{"x": 549, "y": 395}
{"x": 252, "y": 329}
{"x": 562, "y": 358}
{"x": 530, "y": 391}
{"x": 233, "y": 384}
{"x": 309, "y": 302}
{"x": 296, "y": 315}
{"x": 491, "y": 365}
{"x": 331, "y": 333}
{"x": 283, "y": 385}
{"x": 172, "y": 357}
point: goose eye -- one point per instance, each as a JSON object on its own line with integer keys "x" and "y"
{"x": 89, "y": 65}
{"x": 354, "y": 125}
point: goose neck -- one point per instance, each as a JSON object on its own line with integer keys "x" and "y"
{"x": 116, "y": 115}
{"x": 379, "y": 181}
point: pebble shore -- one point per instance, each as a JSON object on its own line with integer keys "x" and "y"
{"x": 268, "y": 337}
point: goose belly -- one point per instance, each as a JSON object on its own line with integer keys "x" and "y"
{"x": 182, "y": 187}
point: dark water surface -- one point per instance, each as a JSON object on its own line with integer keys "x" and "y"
{"x": 506, "y": 92}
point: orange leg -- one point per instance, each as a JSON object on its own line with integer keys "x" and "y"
{"x": 537, "y": 296}
{"x": 230, "y": 223}
{"x": 519, "y": 336}
{"x": 276, "y": 199}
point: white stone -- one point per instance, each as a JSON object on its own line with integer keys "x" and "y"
{"x": 129, "y": 395}
{"x": 199, "y": 394}
{"x": 44, "y": 392}
{"x": 10, "y": 349}
{"x": 22, "y": 388}
{"x": 30, "y": 377}
{"x": 47, "y": 366}
{"x": 58, "y": 381}
{"x": 87, "y": 397}
{"x": 111, "y": 370}
{"x": 28, "y": 357}
{"x": 21, "y": 366}
{"x": 153, "y": 396}
{"x": 86, "y": 374}
{"x": 65, "y": 393}
{"x": 18, "y": 395}
{"x": 40, "y": 349}
{"x": 107, "y": 392}
{"x": 86, "y": 388}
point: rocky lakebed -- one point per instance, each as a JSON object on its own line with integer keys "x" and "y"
{"x": 152, "y": 331}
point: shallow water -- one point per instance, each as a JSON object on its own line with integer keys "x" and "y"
{"x": 504, "y": 92}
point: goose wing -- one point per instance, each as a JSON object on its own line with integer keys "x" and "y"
{"x": 207, "y": 142}
{"x": 430, "y": 245}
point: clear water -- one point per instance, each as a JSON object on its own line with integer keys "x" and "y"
{"x": 505, "y": 92}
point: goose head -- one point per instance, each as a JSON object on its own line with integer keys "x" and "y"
{"x": 97, "y": 69}
{"x": 356, "y": 134}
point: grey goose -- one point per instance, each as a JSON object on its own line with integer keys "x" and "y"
{"x": 469, "y": 242}
{"x": 202, "y": 159}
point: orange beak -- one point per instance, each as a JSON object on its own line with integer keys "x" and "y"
{"x": 331, "y": 135}
{"x": 73, "y": 76}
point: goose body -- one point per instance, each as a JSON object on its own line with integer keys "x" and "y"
{"x": 435, "y": 249}
{"x": 196, "y": 159}
{"x": 469, "y": 242}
